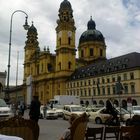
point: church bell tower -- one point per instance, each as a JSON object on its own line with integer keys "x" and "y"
{"x": 65, "y": 32}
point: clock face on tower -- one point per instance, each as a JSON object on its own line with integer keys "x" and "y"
{"x": 60, "y": 34}
{"x": 69, "y": 33}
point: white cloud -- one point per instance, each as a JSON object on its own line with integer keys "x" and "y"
{"x": 118, "y": 20}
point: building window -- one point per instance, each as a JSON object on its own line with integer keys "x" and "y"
{"x": 108, "y": 80}
{"x": 42, "y": 68}
{"x": 1, "y": 88}
{"x": 114, "y": 90}
{"x": 125, "y": 89}
{"x": 74, "y": 92}
{"x": 132, "y": 89}
{"x": 81, "y": 83}
{"x": 108, "y": 90}
{"x": 91, "y": 51}
{"x": 98, "y": 80}
{"x": 119, "y": 77}
{"x": 89, "y": 92}
{"x": 94, "y": 92}
{"x": 82, "y": 53}
{"x": 38, "y": 69}
{"x": 131, "y": 75}
{"x": 101, "y": 52}
{"x": 103, "y": 90}
{"x": 85, "y": 83}
{"x": 93, "y": 82}
{"x": 60, "y": 41}
{"x": 77, "y": 84}
{"x": 98, "y": 90}
{"x": 81, "y": 92}
{"x": 103, "y": 80}
{"x": 49, "y": 67}
{"x": 113, "y": 79}
{"x": 59, "y": 65}
{"x": 125, "y": 76}
{"x": 74, "y": 84}
{"x": 85, "y": 92}
{"x": 77, "y": 92}
{"x": 89, "y": 82}
{"x": 69, "y": 40}
{"x": 69, "y": 65}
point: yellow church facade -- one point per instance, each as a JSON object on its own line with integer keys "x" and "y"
{"x": 90, "y": 76}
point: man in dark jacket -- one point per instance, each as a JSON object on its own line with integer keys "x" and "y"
{"x": 111, "y": 110}
{"x": 34, "y": 112}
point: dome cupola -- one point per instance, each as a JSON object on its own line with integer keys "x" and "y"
{"x": 91, "y": 24}
{"x": 32, "y": 36}
{"x": 65, "y": 5}
{"x": 91, "y": 34}
{"x": 32, "y": 29}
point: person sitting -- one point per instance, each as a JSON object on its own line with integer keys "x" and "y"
{"x": 67, "y": 133}
{"x": 110, "y": 109}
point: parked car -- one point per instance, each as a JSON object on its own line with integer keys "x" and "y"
{"x": 125, "y": 115}
{"x": 136, "y": 110}
{"x": 51, "y": 113}
{"x": 59, "y": 109}
{"x": 101, "y": 116}
{"x": 5, "y": 110}
{"x": 72, "y": 109}
{"x": 93, "y": 108}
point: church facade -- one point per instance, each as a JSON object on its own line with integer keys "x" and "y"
{"x": 91, "y": 76}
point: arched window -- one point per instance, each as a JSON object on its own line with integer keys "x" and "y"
{"x": 82, "y": 53}
{"x": 60, "y": 41}
{"x": 69, "y": 65}
{"x": 1, "y": 87}
{"x": 103, "y": 90}
{"x": 132, "y": 88}
{"x": 69, "y": 40}
{"x": 91, "y": 51}
{"x": 38, "y": 69}
{"x": 101, "y": 52}
{"x": 59, "y": 65}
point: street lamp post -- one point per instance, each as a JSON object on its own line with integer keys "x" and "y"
{"x": 26, "y": 26}
{"x": 119, "y": 89}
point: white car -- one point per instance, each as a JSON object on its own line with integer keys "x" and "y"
{"x": 51, "y": 113}
{"x": 101, "y": 116}
{"x": 5, "y": 110}
{"x": 72, "y": 109}
{"x": 136, "y": 110}
{"x": 59, "y": 109}
{"x": 125, "y": 115}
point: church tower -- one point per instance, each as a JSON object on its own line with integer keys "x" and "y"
{"x": 65, "y": 31}
{"x": 31, "y": 50}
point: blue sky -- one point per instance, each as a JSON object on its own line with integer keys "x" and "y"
{"x": 118, "y": 20}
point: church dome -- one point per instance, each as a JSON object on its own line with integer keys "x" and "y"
{"x": 32, "y": 29}
{"x": 91, "y": 34}
{"x": 65, "y": 5}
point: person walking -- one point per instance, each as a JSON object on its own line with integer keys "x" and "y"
{"x": 34, "y": 112}
{"x": 22, "y": 108}
{"x": 110, "y": 109}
